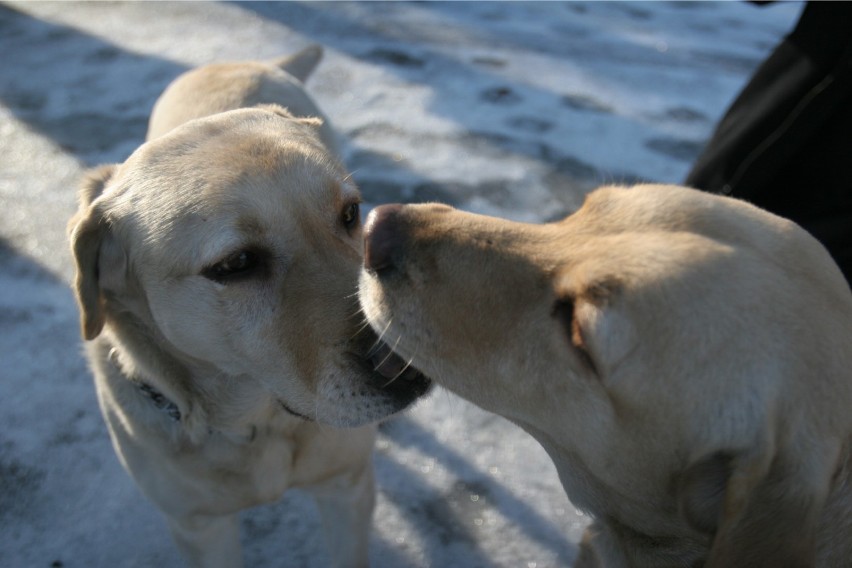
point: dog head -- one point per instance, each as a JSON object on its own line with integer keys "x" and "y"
{"x": 491, "y": 306}
{"x": 233, "y": 242}
{"x": 645, "y": 339}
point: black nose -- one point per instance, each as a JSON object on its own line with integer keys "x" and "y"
{"x": 383, "y": 238}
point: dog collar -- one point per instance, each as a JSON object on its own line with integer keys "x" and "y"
{"x": 159, "y": 399}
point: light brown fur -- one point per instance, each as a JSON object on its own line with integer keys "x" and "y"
{"x": 263, "y": 370}
{"x": 685, "y": 359}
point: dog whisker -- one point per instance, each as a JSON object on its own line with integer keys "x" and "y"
{"x": 389, "y": 355}
{"x": 361, "y": 329}
{"x": 350, "y": 175}
{"x": 380, "y": 339}
{"x": 400, "y": 373}
{"x": 357, "y": 314}
{"x": 364, "y": 326}
{"x": 320, "y": 425}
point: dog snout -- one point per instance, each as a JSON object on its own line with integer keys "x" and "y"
{"x": 383, "y": 238}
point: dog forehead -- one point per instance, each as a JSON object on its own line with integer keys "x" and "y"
{"x": 258, "y": 140}
{"x": 254, "y": 156}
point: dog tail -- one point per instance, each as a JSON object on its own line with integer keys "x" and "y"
{"x": 301, "y": 64}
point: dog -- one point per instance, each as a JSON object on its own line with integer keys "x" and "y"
{"x": 684, "y": 358}
{"x": 216, "y": 276}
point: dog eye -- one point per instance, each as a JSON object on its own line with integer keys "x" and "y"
{"x": 351, "y": 216}
{"x": 237, "y": 266}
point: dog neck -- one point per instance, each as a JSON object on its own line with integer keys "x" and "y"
{"x": 137, "y": 353}
{"x": 140, "y": 359}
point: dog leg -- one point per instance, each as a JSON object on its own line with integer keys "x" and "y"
{"x": 611, "y": 544}
{"x": 346, "y": 509}
{"x": 208, "y": 542}
{"x": 602, "y": 547}
{"x": 587, "y": 557}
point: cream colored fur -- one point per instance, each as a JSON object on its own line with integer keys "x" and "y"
{"x": 218, "y": 266}
{"x": 684, "y": 358}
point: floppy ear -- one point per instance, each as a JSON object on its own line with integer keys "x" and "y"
{"x": 97, "y": 255}
{"x": 311, "y": 121}
{"x": 597, "y": 328}
{"x": 762, "y": 511}
{"x": 300, "y": 65}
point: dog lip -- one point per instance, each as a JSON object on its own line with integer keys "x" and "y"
{"x": 396, "y": 374}
{"x": 386, "y": 362}
{"x": 293, "y": 412}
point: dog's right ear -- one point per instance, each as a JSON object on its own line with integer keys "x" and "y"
{"x": 300, "y": 65}
{"x": 95, "y": 250}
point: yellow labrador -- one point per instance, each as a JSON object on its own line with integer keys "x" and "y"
{"x": 217, "y": 273}
{"x": 684, "y": 358}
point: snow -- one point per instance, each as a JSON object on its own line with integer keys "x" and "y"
{"x": 511, "y": 108}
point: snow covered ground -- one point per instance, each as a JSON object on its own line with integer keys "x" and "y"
{"x": 512, "y": 108}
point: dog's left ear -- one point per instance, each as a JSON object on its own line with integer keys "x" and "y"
{"x": 596, "y": 326}
{"x": 99, "y": 260}
{"x": 311, "y": 121}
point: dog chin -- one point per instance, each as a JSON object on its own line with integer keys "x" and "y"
{"x": 379, "y": 386}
